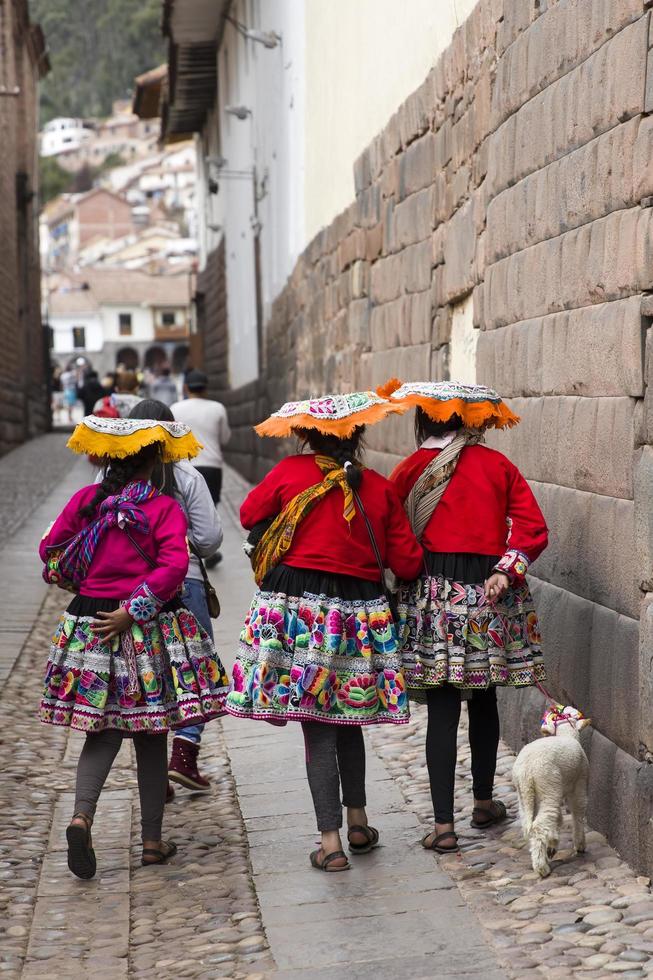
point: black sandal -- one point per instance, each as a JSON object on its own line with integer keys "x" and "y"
{"x": 370, "y": 833}
{"x": 158, "y": 855}
{"x": 81, "y": 856}
{"x": 495, "y": 815}
{"x": 436, "y": 843}
{"x": 327, "y": 861}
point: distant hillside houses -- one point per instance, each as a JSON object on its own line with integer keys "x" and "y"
{"x": 119, "y": 260}
{"x": 76, "y": 143}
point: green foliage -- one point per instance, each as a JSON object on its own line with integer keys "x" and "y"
{"x": 53, "y": 179}
{"x": 96, "y": 48}
{"x": 110, "y": 161}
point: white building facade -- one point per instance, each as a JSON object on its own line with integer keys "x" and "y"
{"x": 299, "y": 89}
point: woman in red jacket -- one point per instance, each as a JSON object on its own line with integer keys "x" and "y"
{"x": 468, "y": 623}
{"x": 319, "y": 644}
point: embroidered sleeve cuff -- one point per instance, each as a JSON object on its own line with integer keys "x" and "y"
{"x": 514, "y": 564}
{"x": 143, "y": 604}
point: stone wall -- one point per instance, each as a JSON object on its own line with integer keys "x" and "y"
{"x": 24, "y": 401}
{"x": 519, "y": 172}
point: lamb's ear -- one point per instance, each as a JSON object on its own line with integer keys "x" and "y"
{"x": 583, "y": 722}
{"x": 548, "y": 725}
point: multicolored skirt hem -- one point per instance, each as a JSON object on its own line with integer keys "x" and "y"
{"x": 452, "y": 635}
{"x": 161, "y": 675}
{"x": 308, "y": 656}
{"x": 83, "y": 721}
{"x": 274, "y": 719}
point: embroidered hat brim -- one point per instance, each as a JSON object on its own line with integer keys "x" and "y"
{"x": 117, "y": 438}
{"x": 336, "y": 415}
{"x": 478, "y": 406}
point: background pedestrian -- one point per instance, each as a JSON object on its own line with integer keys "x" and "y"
{"x": 208, "y": 420}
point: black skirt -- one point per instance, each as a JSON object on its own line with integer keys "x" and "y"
{"x": 87, "y": 605}
{"x": 300, "y": 581}
{"x": 459, "y": 566}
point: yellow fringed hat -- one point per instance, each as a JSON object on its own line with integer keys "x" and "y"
{"x": 117, "y": 438}
{"x": 479, "y": 407}
{"x": 335, "y": 415}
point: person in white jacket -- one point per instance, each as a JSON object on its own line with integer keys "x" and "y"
{"x": 205, "y": 535}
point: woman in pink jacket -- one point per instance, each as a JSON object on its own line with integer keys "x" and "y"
{"x": 127, "y": 659}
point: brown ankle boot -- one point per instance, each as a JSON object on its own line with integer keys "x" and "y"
{"x": 183, "y": 765}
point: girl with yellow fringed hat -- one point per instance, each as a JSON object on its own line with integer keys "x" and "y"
{"x": 319, "y": 644}
{"x": 127, "y": 658}
{"x": 468, "y": 623}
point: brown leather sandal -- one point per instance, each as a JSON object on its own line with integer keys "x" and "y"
{"x": 158, "y": 855}
{"x": 326, "y": 863}
{"x": 436, "y": 843}
{"x": 495, "y": 813}
{"x": 370, "y": 833}
{"x": 81, "y": 856}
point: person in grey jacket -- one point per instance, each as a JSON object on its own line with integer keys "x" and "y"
{"x": 187, "y": 484}
{"x": 163, "y": 388}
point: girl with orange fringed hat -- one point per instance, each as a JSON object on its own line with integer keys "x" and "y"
{"x": 319, "y": 645}
{"x": 468, "y": 623}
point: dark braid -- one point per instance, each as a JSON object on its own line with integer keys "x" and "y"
{"x": 346, "y": 452}
{"x": 117, "y": 475}
{"x": 164, "y": 473}
{"x": 425, "y": 426}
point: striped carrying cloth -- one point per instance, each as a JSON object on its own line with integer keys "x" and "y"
{"x": 277, "y": 539}
{"x": 427, "y": 491}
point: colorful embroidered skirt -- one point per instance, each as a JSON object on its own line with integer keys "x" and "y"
{"x": 451, "y": 634}
{"x": 170, "y": 677}
{"x": 319, "y": 647}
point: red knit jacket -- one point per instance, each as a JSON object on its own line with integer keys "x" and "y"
{"x": 485, "y": 490}
{"x": 324, "y": 540}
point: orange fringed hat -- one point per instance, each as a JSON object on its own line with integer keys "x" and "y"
{"x": 336, "y": 415}
{"x": 479, "y": 407}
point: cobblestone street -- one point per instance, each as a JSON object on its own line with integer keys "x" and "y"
{"x": 240, "y": 899}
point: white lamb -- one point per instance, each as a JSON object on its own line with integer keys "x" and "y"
{"x": 547, "y": 773}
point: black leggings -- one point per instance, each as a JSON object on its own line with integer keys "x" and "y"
{"x": 441, "y": 745}
{"x": 335, "y": 757}
{"x": 97, "y": 756}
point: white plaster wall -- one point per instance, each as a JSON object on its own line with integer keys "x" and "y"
{"x": 142, "y": 323}
{"x": 261, "y": 185}
{"x": 363, "y": 58}
{"x": 62, "y": 327}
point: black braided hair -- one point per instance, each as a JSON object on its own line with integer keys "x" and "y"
{"x": 426, "y": 426}
{"x": 346, "y": 452}
{"x": 118, "y": 474}
{"x": 164, "y": 473}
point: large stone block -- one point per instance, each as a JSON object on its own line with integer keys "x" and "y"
{"x": 417, "y": 165}
{"x": 584, "y": 185}
{"x": 411, "y": 220}
{"x": 416, "y": 267}
{"x": 643, "y": 488}
{"x": 565, "y": 35}
{"x": 459, "y": 253}
{"x": 605, "y": 260}
{"x": 592, "y": 660}
{"x": 646, "y": 676}
{"x": 616, "y": 777}
{"x": 386, "y": 279}
{"x": 591, "y": 548}
{"x": 605, "y": 89}
{"x": 567, "y": 353}
{"x": 582, "y": 443}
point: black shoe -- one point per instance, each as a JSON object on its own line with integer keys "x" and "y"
{"x": 213, "y": 560}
